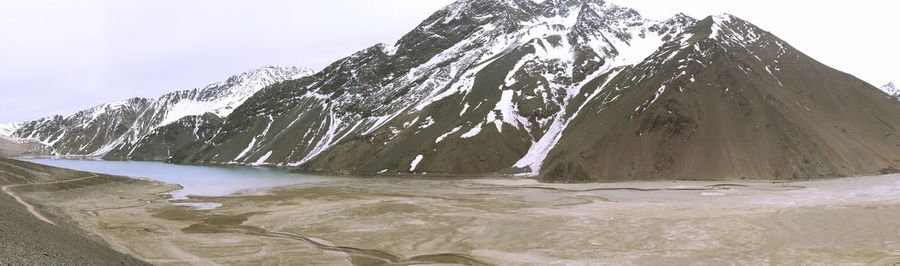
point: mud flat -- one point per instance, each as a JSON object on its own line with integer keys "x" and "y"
{"x": 502, "y": 222}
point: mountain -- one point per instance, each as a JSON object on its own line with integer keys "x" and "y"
{"x": 15, "y": 147}
{"x": 563, "y": 90}
{"x": 568, "y": 90}
{"x": 450, "y": 76}
{"x": 730, "y": 101}
{"x": 891, "y": 90}
{"x": 119, "y": 130}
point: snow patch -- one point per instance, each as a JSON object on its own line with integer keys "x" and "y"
{"x": 442, "y": 137}
{"x": 658, "y": 93}
{"x": 537, "y": 153}
{"x": 252, "y": 145}
{"x": 472, "y": 132}
{"x": 262, "y": 160}
{"x": 415, "y": 163}
{"x": 507, "y": 110}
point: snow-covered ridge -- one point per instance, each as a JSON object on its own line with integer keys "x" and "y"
{"x": 222, "y": 98}
{"x": 471, "y": 34}
{"x": 110, "y": 126}
{"x": 560, "y": 32}
{"x": 493, "y": 86}
{"x": 7, "y": 130}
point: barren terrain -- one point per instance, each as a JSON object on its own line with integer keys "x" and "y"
{"x": 502, "y": 222}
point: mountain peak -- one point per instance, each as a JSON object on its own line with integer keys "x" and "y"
{"x": 725, "y": 17}
{"x": 729, "y": 29}
{"x": 681, "y": 15}
{"x": 271, "y": 72}
{"x": 680, "y": 18}
{"x": 222, "y": 98}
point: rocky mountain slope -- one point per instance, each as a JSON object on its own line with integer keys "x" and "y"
{"x": 568, "y": 90}
{"x": 118, "y": 130}
{"x": 730, "y": 100}
{"x": 448, "y": 79}
{"x": 891, "y": 90}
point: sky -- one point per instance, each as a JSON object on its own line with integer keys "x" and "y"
{"x": 60, "y": 56}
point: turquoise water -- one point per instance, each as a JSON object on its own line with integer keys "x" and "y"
{"x": 196, "y": 180}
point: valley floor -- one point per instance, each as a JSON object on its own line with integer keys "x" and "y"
{"x": 501, "y": 222}
{"x": 36, "y": 234}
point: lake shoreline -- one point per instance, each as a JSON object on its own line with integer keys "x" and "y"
{"x": 509, "y": 221}
{"x": 425, "y": 176}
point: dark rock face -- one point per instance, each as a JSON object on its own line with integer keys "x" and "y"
{"x": 162, "y": 143}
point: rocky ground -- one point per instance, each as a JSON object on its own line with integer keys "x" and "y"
{"x": 27, "y": 240}
{"x": 502, "y": 222}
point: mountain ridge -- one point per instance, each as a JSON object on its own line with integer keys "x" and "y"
{"x": 440, "y": 76}
{"x": 114, "y": 127}
{"x": 548, "y": 80}
{"x": 562, "y": 90}
{"x": 690, "y": 132}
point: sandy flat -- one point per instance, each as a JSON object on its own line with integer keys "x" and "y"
{"x": 505, "y": 222}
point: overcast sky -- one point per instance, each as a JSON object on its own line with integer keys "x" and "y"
{"x": 58, "y": 57}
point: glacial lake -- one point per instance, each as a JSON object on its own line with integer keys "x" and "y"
{"x": 196, "y": 180}
{"x": 215, "y": 181}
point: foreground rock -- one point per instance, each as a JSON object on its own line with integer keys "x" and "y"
{"x": 27, "y": 240}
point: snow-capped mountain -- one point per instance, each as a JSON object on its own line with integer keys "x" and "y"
{"x": 568, "y": 90}
{"x": 891, "y": 90}
{"x": 384, "y": 90}
{"x": 729, "y": 100}
{"x": 114, "y": 129}
{"x": 7, "y": 129}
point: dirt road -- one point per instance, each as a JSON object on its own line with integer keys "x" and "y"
{"x": 31, "y": 209}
